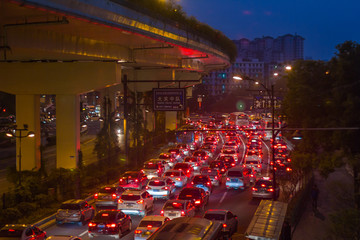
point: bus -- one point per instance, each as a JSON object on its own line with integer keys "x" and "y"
{"x": 239, "y": 119}
{"x": 189, "y": 135}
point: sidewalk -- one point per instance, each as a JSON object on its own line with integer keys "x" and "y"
{"x": 332, "y": 191}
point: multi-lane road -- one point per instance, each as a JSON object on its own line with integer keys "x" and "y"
{"x": 240, "y": 202}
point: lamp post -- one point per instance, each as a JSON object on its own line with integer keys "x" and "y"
{"x": 18, "y": 133}
{"x": 270, "y": 93}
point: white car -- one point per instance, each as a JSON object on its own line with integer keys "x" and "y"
{"x": 178, "y": 208}
{"x": 148, "y": 225}
{"x": 162, "y": 187}
{"x": 253, "y": 162}
{"x": 136, "y": 202}
{"x": 178, "y": 176}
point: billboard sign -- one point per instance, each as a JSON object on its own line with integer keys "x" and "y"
{"x": 263, "y": 102}
{"x": 169, "y": 99}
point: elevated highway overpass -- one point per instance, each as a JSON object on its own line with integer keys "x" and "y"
{"x": 70, "y": 47}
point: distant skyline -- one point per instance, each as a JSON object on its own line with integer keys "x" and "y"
{"x": 323, "y": 24}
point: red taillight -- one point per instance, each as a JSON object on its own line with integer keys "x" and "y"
{"x": 147, "y": 187}
{"x": 121, "y": 180}
{"x": 136, "y": 180}
{"x": 120, "y": 201}
{"x": 165, "y": 188}
{"x": 92, "y": 224}
{"x": 141, "y": 201}
{"x": 216, "y": 177}
{"x": 111, "y": 225}
{"x": 162, "y": 212}
{"x": 270, "y": 189}
{"x": 149, "y": 227}
{"x": 227, "y": 179}
{"x": 177, "y": 179}
{"x": 113, "y": 196}
{"x": 288, "y": 169}
{"x": 259, "y": 166}
{"x": 223, "y": 170}
{"x": 198, "y": 202}
{"x": 182, "y": 213}
{"x": 224, "y": 225}
{"x": 96, "y": 196}
{"x": 244, "y": 165}
{"x": 208, "y": 183}
{"x": 254, "y": 189}
{"x": 233, "y": 164}
{"x": 138, "y": 231}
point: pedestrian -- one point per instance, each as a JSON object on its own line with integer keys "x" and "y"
{"x": 314, "y": 196}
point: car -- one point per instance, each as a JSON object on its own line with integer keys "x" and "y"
{"x": 226, "y": 217}
{"x": 136, "y": 202}
{"x": 167, "y": 157}
{"x": 178, "y": 176}
{"x": 228, "y": 160}
{"x": 185, "y": 147}
{"x": 235, "y": 178}
{"x": 108, "y": 196}
{"x": 253, "y": 162}
{"x": 194, "y": 161}
{"x": 186, "y": 167}
{"x": 199, "y": 196}
{"x": 22, "y": 232}
{"x": 177, "y": 153}
{"x": 219, "y": 165}
{"x": 63, "y": 237}
{"x": 263, "y": 188}
{"x": 211, "y": 139}
{"x": 113, "y": 223}
{"x": 202, "y": 181}
{"x": 153, "y": 168}
{"x": 213, "y": 174}
{"x": 204, "y": 156}
{"x": 148, "y": 225}
{"x": 252, "y": 173}
{"x": 161, "y": 187}
{"x": 254, "y": 152}
{"x": 229, "y": 151}
{"x": 74, "y": 210}
{"x": 208, "y": 147}
{"x": 133, "y": 180}
{"x": 178, "y": 208}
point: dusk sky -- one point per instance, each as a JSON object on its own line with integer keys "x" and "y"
{"x": 323, "y": 23}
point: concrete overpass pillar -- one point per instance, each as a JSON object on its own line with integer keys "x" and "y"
{"x": 28, "y": 112}
{"x": 67, "y": 130}
{"x": 170, "y": 120}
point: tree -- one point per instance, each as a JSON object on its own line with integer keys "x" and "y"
{"x": 106, "y": 143}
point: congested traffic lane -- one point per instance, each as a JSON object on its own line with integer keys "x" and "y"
{"x": 238, "y": 201}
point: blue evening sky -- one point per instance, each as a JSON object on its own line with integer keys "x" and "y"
{"x": 323, "y": 23}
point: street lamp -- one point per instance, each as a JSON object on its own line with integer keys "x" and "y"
{"x": 18, "y": 133}
{"x": 270, "y": 93}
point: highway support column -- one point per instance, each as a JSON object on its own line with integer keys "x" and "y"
{"x": 28, "y": 112}
{"x": 67, "y": 130}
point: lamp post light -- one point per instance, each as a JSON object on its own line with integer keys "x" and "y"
{"x": 270, "y": 93}
{"x": 18, "y": 133}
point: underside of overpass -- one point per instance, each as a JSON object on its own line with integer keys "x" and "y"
{"x": 70, "y": 47}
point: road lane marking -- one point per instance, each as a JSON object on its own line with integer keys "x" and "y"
{"x": 82, "y": 234}
{"x": 223, "y": 197}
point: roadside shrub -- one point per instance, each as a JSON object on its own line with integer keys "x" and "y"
{"x": 26, "y": 208}
{"x": 43, "y": 200}
{"x": 10, "y": 215}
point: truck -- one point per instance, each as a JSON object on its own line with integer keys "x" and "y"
{"x": 268, "y": 220}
